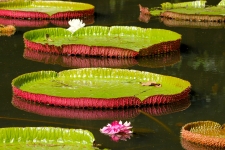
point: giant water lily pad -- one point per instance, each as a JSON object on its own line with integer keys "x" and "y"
{"x": 36, "y": 138}
{"x": 192, "y": 11}
{"x": 115, "y": 41}
{"x": 45, "y": 9}
{"x": 209, "y": 134}
{"x": 100, "y": 88}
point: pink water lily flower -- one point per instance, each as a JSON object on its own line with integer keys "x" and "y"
{"x": 117, "y": 127}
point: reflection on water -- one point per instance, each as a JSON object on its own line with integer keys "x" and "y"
{"x": 156, "y": 61}
{"x": 98, "y": 114}
{"x": 192, "y": 24}
{"x": 41, "y": 23}
{"x": 201, "y": 61}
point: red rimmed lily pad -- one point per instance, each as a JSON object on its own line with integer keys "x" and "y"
{"x": 98, "y": 114}
{"x": 100, "y": 88}
{"x": 36, "y": 138}
{"x": 207, "y": 134}
{"x": 45, "y": 9}
{"x": 191, "y": 11}
{"x": 115, "y": 41}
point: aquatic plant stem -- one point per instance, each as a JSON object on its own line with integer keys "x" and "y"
{"x": 157, "y": 121}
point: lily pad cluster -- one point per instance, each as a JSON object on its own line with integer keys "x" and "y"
{"x": 99, "y": 88}
{"x": 93, "y": 41}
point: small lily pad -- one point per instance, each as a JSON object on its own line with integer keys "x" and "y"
{"x": 21, "y": 9}
{"x": 206, "y": 133}
{"x": 99, "y": 88}
{"x": 115, "y": 41}
{"x": 36, "y": 138}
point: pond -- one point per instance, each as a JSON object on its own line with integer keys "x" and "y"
{"x": 201, "y": 61}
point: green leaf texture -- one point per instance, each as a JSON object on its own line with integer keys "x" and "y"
{"x": 132, "y": 38}
{"x": 37, "y": 138}
{"x": 99, "y": 83}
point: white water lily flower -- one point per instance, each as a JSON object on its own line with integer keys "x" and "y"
{"x": 75, "y": 24}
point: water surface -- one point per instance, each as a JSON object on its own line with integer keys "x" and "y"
{"x": 201, "y": 61}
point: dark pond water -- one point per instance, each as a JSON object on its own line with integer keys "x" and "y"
{"x": 201, "y": 61}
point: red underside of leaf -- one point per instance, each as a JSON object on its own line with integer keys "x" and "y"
{"x": 40, "y": 15}
{"x": 84, "y": 50}
{"x": 165, "y": 99}
{"x": 123, "y": 102}
{"x": 79, "y": 62}
{"x": 159, "y": 110}
{"x": 97, "y": 114}
{"x": 164, "y": 47}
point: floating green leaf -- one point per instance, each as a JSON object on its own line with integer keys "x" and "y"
{"x": 100, "y": 84}
{"x": 45, "y": 9}
{"x": 131, "y": 39}
{"x": 36, "y": 138}
{"x": 194, "y": 8}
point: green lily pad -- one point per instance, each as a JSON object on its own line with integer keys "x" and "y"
{"x": 36, "y": 138}
{"x": 115, "y": 41}
{"x": 194, "y": 11}
{"x": 45, "y": 9}
{"x": 99, "y": 87}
